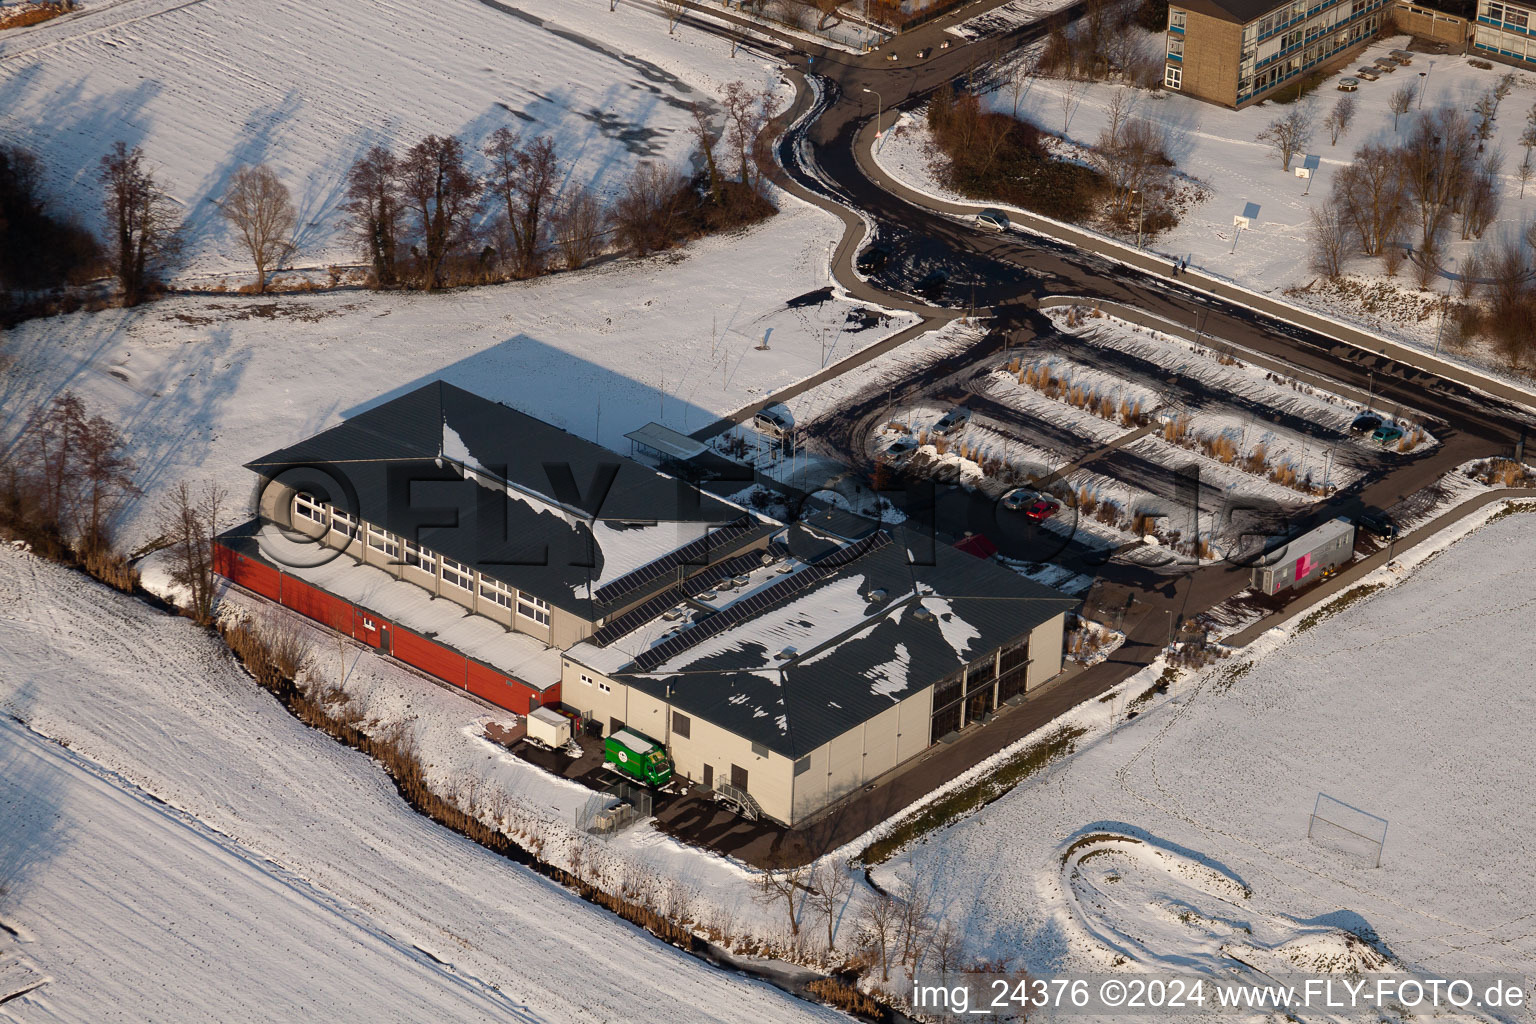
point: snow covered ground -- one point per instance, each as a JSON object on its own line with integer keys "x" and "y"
{"x": 1217, "y": 146}
{"x": 1178, "y": 840}
{"x": 281, "y": 876}
{"x": 207, "y": 86}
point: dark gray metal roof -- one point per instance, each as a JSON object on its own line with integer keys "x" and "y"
{"x": 400, "y": 465}
{"x": 1239, "y": 11}
{"x": 832, "y": 684}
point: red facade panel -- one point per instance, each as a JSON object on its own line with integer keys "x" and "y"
{"x": 368, "y": 628}
{"x": 489, "y": 684}
{"x": 431, "y": 658}
{"x": 262, "y": 579}
{"x": 318, "y": 605}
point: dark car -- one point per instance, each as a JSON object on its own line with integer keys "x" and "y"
{"x": 873, "y": 259}
{"x": 931, "y": 287}
{"x": 1378, "y": 524}
{"x": 1365, "y": 423}
{"x": 902, "y": 446}
{"x": 924, "y": 52}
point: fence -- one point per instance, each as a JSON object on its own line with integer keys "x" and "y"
{"x": 615, "y": 809}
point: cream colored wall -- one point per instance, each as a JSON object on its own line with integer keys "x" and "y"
{"x": 1045, "y": 650}
{"x": 864, "y": 752}
{"x": 1212, "y": 50}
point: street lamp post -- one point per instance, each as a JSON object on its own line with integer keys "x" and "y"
{"x": 879, "y": 111}
{"x": 1422, "y": 76}
{"x": 1140, "y": 213}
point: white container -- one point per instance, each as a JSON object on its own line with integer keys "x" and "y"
{"x": 549, "y": 728}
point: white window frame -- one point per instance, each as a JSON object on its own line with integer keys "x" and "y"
{"x": 305, "y": 505}
{"x": 1173, "y": 76}
{"x": 1178, "y": 20}
{"x": 604, "y": 687}
{"x": 454, "y": 571}
{"x": 538, "y": 610}
{"x": 419, "y": 557}
{"x": 349, "y": 526}
{"x": 496, "y": 591}
{"x": 381, "y": 539}
{"x": 1175, "y": 47}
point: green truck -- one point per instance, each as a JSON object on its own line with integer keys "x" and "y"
{"x": 639, "y": 757}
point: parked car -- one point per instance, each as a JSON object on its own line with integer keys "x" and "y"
{"x": 1377, "y": 523}
{"x": 775, "y": 421}
{"x": 1043, "y": 508}
{"x": 1365, "y": 423}
{"x": 892, "y": 56}
{"x": 944, "y": 44}
{"x": 1019, "y": 499}
{"x": 873, "y": 259}
{"x": 924, "y": 52}
{"x": 956, "y": 418}
{"x": 902, "y": 445}
{"x": 996, "y": 220}
{"x": 1387, "y": 434}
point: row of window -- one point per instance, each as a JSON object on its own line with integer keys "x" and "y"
{"x": 1509, "y": 14}
{"x": 453, "y": 573}
{"x": 1505, "y": 44}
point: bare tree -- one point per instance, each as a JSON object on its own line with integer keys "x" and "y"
{"x": 373, "y": 209}
{"x": 1486, "y": 108}
{"x": 1121, "y": 103}
{"x": 830, "y": 887}
{"x": 782, "y": 885}
{"x": 259, "y": 207}
{"x": 1400, "y": 102}
{"x": 1339, "y": 118}
{"x": 742, "y": 115}
{"x": 881, "y": 922}
{"x": 578, "y": 226}
{"x": 1330, "y": 239}
{"x": 646, "y": 213}
{"x": 1471, "y": 270}
{"x": 707, "y": 138}
{"x": 75, "y": 474}
{"x": 442, "y": 193}
{"x": 189, "y": 520}
{"x": 1071, "y": 99}
{"x": 143, "y": 229}
{"x": 1479, "y": 199}
{"x": 1437, "y": 162}
{"x": 1288, "y": 135}
{"x": 1369, "y": 193}
{"x": 948, "y": 947}
{"x": 1524, "y": 172}
{"x": 1021, "y": 76}
{"x": 916, "y": 922}
{"x": 525, "y": 180}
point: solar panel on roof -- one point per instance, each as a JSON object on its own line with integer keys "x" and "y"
{"x": 746, "y": 608}
{"x": 694, "y": 585}
{"x": 696, "y": 551}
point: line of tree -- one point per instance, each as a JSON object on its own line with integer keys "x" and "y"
{"x": 424, "y": 219}
{"x": 63, "y": 481}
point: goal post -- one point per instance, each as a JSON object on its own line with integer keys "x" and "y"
{"x": 1347, "y": 827}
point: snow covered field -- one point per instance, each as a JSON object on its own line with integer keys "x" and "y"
{"x": 307, "y": 87}
{"x": 1178, "y": 840}
{"x": 1217, "y": 146}
{"x": 282, "y": 876}
{"x": 200, "y": 385}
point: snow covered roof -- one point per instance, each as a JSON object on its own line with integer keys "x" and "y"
{"x": 516, "y": 498}
{"x": 898, "y": 613}
{"x": 667, "y": 441}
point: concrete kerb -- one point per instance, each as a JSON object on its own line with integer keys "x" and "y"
{"x": 1196, "y": 281}
{"x": 1358, "y": 570}
{"x": 1152, "y": 321}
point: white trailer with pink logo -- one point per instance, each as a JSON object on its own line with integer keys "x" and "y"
{"x": 1307, "y": 559}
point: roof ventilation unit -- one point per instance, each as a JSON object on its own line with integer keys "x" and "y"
{"x": 922, "y": 613}
{"x": 786, "y": 653}
{"x": 875, "y": 596}
{"x": 672, "y": 614}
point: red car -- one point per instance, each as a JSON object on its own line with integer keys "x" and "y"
{"x": 1042, "y": 509}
